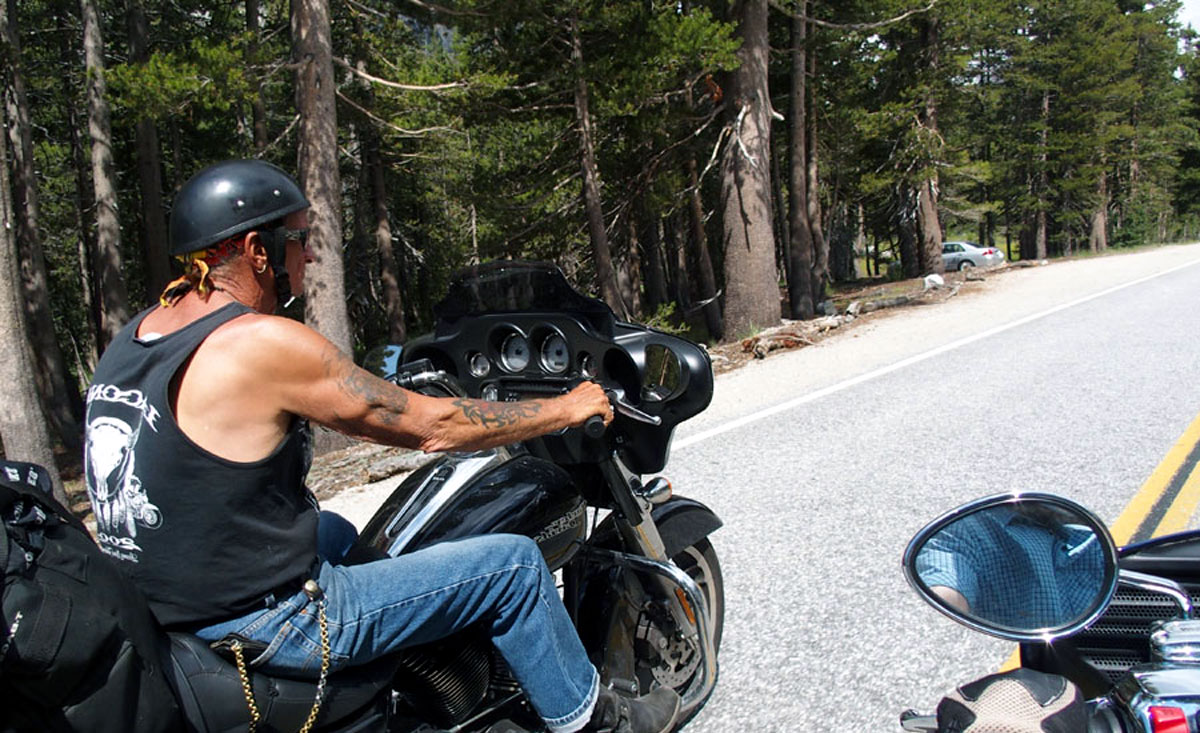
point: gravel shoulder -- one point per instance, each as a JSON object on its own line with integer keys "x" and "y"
{"x": 355, "y": 481}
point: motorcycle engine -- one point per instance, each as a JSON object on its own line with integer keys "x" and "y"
{"x": 444, "y": 682}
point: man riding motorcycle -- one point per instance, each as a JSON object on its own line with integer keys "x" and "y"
{"x": 213, "y": 394}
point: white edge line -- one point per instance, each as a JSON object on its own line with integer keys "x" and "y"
{"x": 854, "y": 381}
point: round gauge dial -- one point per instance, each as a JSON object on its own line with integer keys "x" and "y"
{"x": 478, "y": 364}
{"x": 554, "y": 355}
{"x": 514, "y": 352}
{"x": 587, "y": 366}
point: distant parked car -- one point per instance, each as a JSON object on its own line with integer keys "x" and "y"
{"x": 961, "y": 255}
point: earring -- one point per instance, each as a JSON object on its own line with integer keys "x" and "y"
{"x": 262, "y": 269}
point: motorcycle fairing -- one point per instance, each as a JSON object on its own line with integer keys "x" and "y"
{"x": 463, "y": 495}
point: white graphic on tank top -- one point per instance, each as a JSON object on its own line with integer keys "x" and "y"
{"x": 118, "y": 499}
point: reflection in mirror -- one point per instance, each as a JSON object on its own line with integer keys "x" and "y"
{"x": 383, "y": 361}
{"x": 662, "y": 374}
{"x": 1023, "y": 566}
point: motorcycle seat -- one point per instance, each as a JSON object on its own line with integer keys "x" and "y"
{"x": 210, "y": 692}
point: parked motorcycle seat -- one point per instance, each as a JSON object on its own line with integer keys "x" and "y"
{"x": 211, "y": 696}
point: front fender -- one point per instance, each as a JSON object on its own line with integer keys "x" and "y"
{"x": 681, "y": 522}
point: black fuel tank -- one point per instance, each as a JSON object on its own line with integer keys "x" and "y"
{"x": 481, "y": 493}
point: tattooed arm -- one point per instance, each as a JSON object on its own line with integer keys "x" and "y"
{"x": 335, "y": 392}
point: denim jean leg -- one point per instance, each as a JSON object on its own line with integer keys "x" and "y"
{"x": 335, "y": 536}
{"x": 497, "y": 582}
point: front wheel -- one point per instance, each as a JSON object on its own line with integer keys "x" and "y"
{"x": 664, "y": 658}
{"x": 965, "y": 265}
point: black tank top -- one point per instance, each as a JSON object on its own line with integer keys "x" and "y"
{"x": 205, "y": 538}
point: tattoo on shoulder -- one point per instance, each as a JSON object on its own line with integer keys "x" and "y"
{"x": 356, "y": 382}
{"x": 494, "y": 415}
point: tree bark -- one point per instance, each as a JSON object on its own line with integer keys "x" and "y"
{"x": 1043, "y": 181}
{"x": 816, "y": 225}
{"x": 606, "y": 277}
{"x": 154, "y": 219}
{"x": 22, "y": 427}
{"x": 112, "y": 297}
{"x": 324, "y": 287}
{"x": 751, "y": 282}
{"x": 800, "y": 249}
{"x": 258, "y": 108}
{"x": 389, "y": 273}
{"x": 702, "y": 258}
{"x": 928, "y": 226}
{"x": 650, "y": 244}
{"x": 1098, "y": 236}
{"x": 86, "y": 245}
{"x": 61, "y": 402}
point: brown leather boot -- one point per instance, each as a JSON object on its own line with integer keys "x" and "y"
{"x": 651, "y": 713}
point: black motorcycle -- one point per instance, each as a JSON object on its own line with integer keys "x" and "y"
{"x": 637, "y": 572}
{"x": 1043, "y": 571}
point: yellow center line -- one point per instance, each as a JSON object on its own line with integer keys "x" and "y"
{"x": 1144, "y": 500}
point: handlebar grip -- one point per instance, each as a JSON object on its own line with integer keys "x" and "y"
{"x": 593, "y": 427}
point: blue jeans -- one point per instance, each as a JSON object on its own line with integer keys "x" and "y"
{"x": 498, "y": 581}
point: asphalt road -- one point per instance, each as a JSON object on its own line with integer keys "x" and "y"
{"x": 1075, "y": 378}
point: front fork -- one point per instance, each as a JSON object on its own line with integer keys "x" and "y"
{"x": 685, "y": 600}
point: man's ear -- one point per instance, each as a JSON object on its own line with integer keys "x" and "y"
{"x": 255, "y": 251}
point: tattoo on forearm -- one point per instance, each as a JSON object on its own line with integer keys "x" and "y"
{"x": 388, "y": 400}
{"x": 495, "y": 415}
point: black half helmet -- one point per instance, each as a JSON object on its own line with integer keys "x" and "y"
{"x": 229, "y": 198}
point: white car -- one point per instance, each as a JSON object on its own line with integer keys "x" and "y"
{"x": 961, "y": 255}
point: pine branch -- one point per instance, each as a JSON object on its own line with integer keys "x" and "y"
{"x": 778, "y": 5}
{"x": 395, "y": 84}
{"x": 375, "y": 118}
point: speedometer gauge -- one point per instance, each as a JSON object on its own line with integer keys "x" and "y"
{"x": 514, "y": 353}
{"x": 554, "y": 356}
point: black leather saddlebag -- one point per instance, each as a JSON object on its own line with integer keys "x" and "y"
{"x": 79, "y": 649}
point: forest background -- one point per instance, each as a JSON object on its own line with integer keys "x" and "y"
{"x": 709, "y": 166}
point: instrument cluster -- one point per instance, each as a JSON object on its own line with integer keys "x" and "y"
{"x": 541, "y": 350}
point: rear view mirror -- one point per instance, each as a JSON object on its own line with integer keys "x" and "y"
{"x": 1024, "y": 567}
{"x": 663, "y": 375}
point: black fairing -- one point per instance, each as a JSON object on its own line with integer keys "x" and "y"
{"x": 534, "y": 302}
{"x": 522, "y": 495}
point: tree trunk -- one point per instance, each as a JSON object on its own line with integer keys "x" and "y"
{"x": 929, "y": 229}
{"x": 258, "y": 108}
{"x": 85, "y": 246}
{"x": 751, "y": 282}
{"x": 606, "y": 277}
{"x": 154, "y": 219}
{"x": 1043, "y": 185}
{"x": 629, "y": 271}
{"x": 816, "y": 225}
{"x": 393, "y": 301}
{"x": 907, "y": 229}
{"x": 702, "y": 258}
{"x": 112, "y": 297}
{"x": 320, "y": 177}
{"x": 650, "y": 244}
{"x": 928, "y": 226}
{"x": 61, "y": 402}
{"x": 1098, "y": 237}
{"x": 22, "y": 427}
{"x": 800, "y": 249}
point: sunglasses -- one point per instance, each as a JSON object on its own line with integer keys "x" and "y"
{"x": 295, "y": 235}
